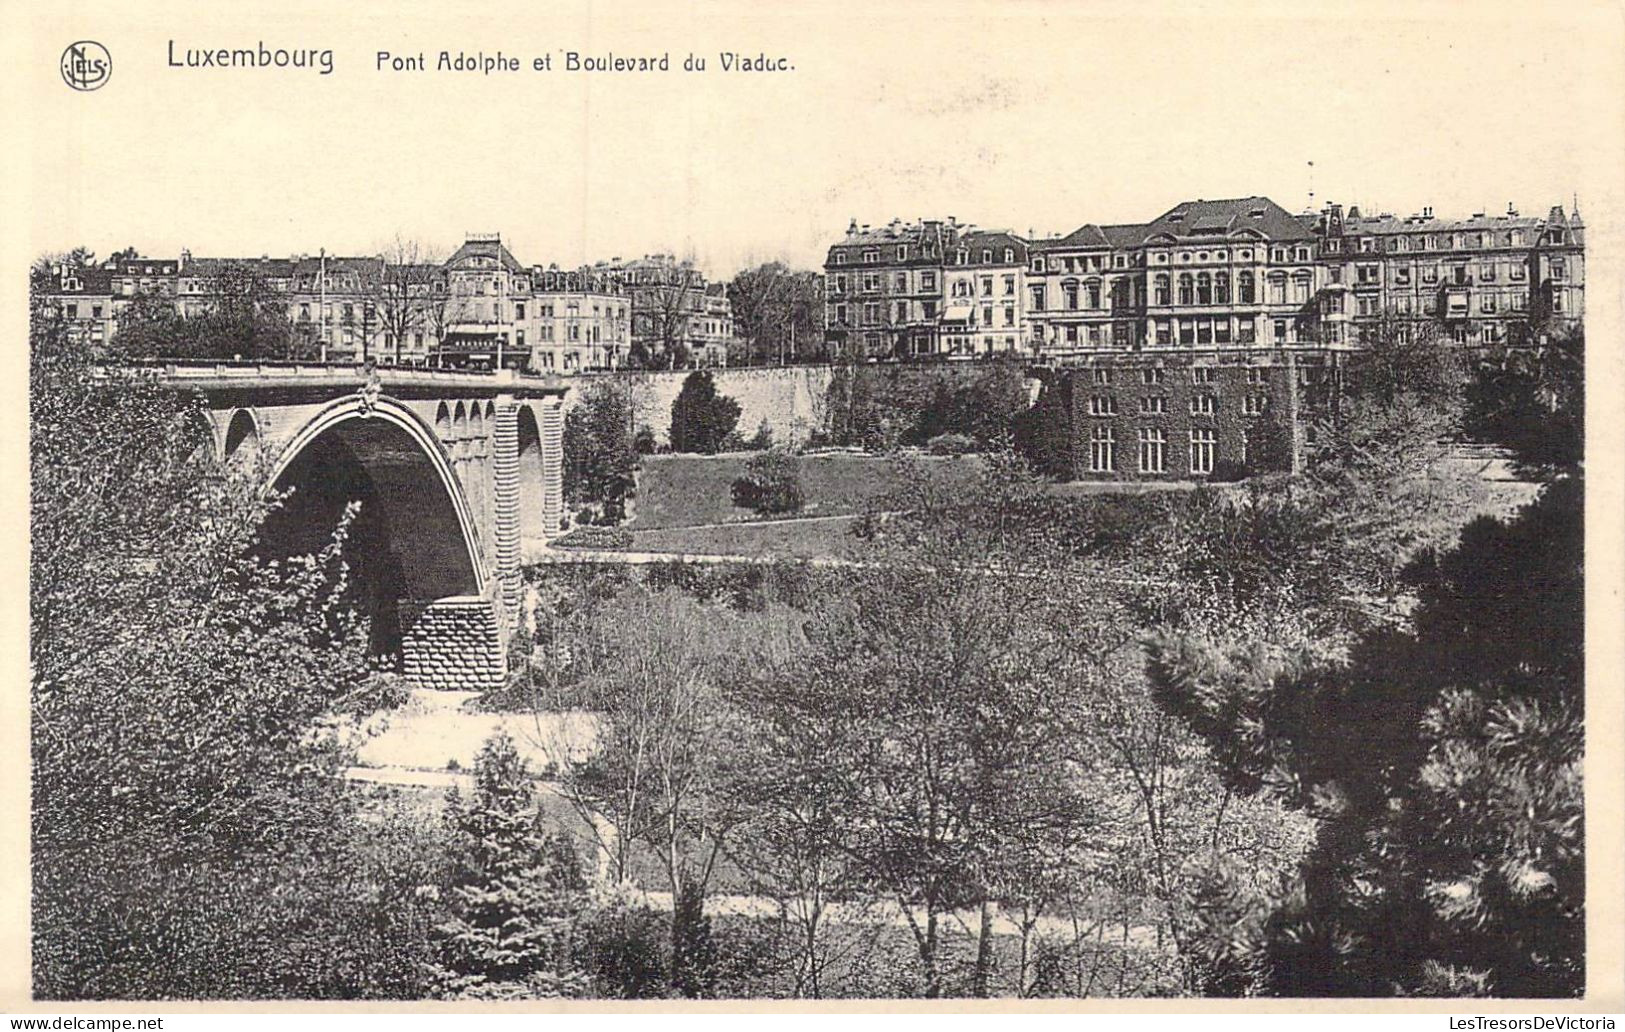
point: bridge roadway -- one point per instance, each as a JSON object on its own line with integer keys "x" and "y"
{"x": 459, "y": 472}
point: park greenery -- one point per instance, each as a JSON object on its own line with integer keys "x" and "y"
{"x": 1309, "y": 734}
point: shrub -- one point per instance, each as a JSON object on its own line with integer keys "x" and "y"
{"x": 626, "y": 952}
{"x": 771, "y": 484}
{"x": 597, "y": 538}
{"x": 600, "y": 457}
{"x": 951, "y": 444}
{"x": 643, "y": 442}
{"x": 701, "y": 419}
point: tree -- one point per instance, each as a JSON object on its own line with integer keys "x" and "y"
{"x": 192, "y": 836}
{"x": 600, "y": 459}
{"x": 1436, "y": 738}
{"x": 517, "y": 892}
{"x": 662, "y": 307}
{"x": 664, "y": 735}
{"x": 1532, "y": 401}
{"x": 778, "y": 312}
{"x": 929, "y": 716}
{"x": 701, "y": 418}
{"x": 771, "y": 484}
{"x": 404, "y": 295}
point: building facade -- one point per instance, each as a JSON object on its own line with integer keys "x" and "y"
{"x": 1238, "y": 273}
{"x": 676, "y": 315}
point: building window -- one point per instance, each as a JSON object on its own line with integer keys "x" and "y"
{"x": 1038, "y": 263}
{"x": 1204, "y": 374}
{"x": 1103, "y": 405}
{"x": 902, "y": 252}
{"x": 1187, "y": 331}
{"x": 1102, "y": 450}
{"x": 1221, "y": 288}
{"x": 1280, "y": 331}
{"x": 1092, "y": 291}
{"x": 1165, "y": 333}
{"x": 1187, "y": 292}
{"x": 1204, "y": 331}
{"x": 871, "y": 256}
{"x": 1160, "y": 288}
{"x": 1255, "y": 404}
{"x": 1153, "y": 450}
{"x": 1204, "y": 404}
{"x": 1204, "y": 289}
{"x": 1103, "y": 375}
{"x": 1204, "y": 442}
{"x": 928, "y": 281}
{"x": 1069, "y": 291}
{"x": 1154, "y": 406}
{"x": 1151, "y": 376}
{"x": 1244, "y": 287}
{"x": 1038, "y": 297}
{"x": 901, "y": 282}
{"x": 1245, "y": 332}
{"x": 1278, "y": 288}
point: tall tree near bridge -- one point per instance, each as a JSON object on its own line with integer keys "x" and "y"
{"x": 191, "y": 836}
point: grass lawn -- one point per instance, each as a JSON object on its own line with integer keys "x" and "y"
{"x": 692, "y": 490}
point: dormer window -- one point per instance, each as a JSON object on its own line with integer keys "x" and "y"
{"x": 871, "y": 255}
{"x": 1256, "y": 213}
{"x": 839, "y": 258}
{"x": 987, "y": 255}
{"x": 1177, "y": 216}
{"x": 1009, "y": 255}
{"x": 902, "y": 252}
{"x": 1038, "y": 265}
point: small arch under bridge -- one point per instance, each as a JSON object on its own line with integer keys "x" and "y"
{"x": 459, "y": 476}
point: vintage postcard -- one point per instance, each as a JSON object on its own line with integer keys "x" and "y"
{"x": 938, "y": 505}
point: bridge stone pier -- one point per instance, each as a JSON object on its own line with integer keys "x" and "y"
{"x": 458, "y": 475}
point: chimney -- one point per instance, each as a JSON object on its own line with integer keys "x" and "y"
{"x": 1511, "y": 211}
{"x": 852, "y": 227}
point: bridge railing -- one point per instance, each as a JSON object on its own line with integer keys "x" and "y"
{"x": 257, "y": 369}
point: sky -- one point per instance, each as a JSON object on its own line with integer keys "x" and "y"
{"x": 1034, "y": 117}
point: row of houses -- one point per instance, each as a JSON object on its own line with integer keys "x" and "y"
{"x": 1226, "y": 274}
{"x": 481, "y": 307}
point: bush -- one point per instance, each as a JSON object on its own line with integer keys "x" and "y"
{"x": 598, "y": 538}
{"x": 701, "y": 419}
{"x": 626, "y": 953}
{"x": 771, "y": 484}
{"x": 951, "y": 444}
{"x": 644, "y": 443}
{"x": 600, "y": 456}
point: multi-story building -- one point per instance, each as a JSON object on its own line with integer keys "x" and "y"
{"x": 1081, "y": 288}
{"x": 83, "y": 297}
{"x": 1238, "y": 273}
{"x": 883, "y": 289}
{"x": 984, "y": 279}
{"x": 674, "y": 309}
{"x": 573, "y": 320}
{"x": 1483, "y": 280}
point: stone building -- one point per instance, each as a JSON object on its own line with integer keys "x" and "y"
{"x": 985, "y": 295}
{"x": 673, "y": 308}
{"x": 1483, "y": 280}
{"x": 1237, "y": 273}
{"x": 573, "y": 321}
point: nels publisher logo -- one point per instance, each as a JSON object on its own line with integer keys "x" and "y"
{"x": 86, "y": 65}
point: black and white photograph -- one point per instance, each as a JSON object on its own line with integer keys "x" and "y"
{"x": 1047, "y": 503}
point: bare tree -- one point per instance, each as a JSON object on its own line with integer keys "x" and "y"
{"x": 404, "y": 296}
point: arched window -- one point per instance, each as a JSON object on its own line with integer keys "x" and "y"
{"x": 1204, "y": 289}
{"x": 1162, "y": 288}
{"x": 1092, "y": 289}
{"x": 1300, "y": 287}
{"x": 1244, "y": 287}
{"x": 1221, "y": 288}
{"x": 1069, "y": 290}
{"x": 1187, "y": 294}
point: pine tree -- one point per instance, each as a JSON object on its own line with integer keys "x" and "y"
{"x": 517, "y": 893}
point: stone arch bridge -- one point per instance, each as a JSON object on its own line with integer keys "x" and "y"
{"x": 459, "y": 476}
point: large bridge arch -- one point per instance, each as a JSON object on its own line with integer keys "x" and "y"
{"x": 415, "y": 552}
